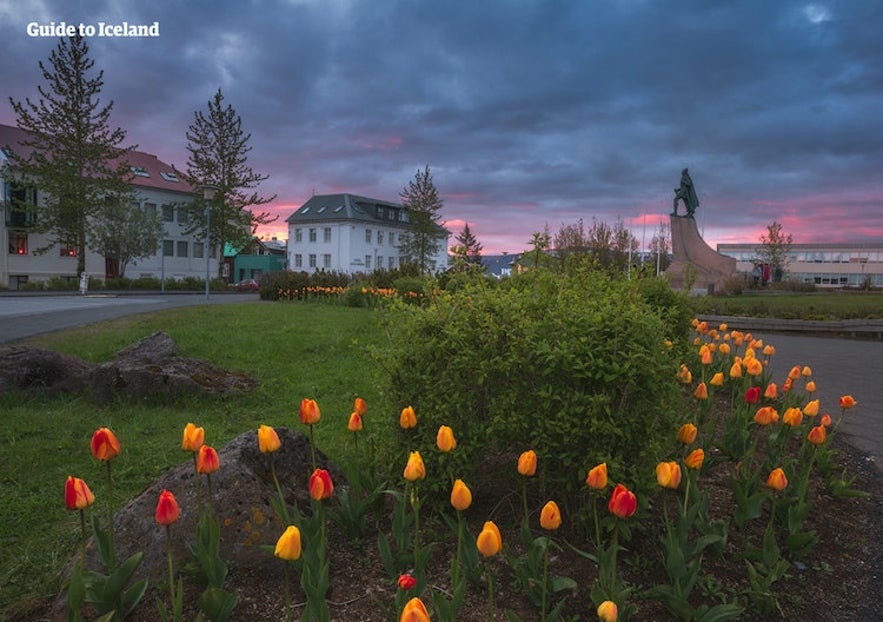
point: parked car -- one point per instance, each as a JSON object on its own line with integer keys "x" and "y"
{"x": 248, "y": 285}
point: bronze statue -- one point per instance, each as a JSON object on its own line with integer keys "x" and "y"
{"x": 687, "y": 194}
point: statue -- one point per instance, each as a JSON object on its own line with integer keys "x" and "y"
{"x": 687, "y": 194}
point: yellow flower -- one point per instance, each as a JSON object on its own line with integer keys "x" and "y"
{"x": 811, "y": 409}
{"x": 461, "y": 496}
{"x": 668, "y": 474}
{"x": 753, "y": 367}
{"x": 414, "y": 611}
{"x": 793, "y": 417}
{"x": 445, "y": 439}
{"x": 527, "y": 463}
{"x": 806, "y": 372}
{"x": 355, "y": 422}
{"x": 701, "y": 392}
{"x": 550, "y": 516}
{"x": 193, "y": 437}
{"x": 408, "y": 419}
{"x": 769, "y": 350}
{"x": 288, "y": 546}
{"x": 777, "y": 480}
{"x": 705, "y": 354}
{"x": 811, "y": 386}
{"x": 597, "y": 477}
{"x": 736, "y": 370}
{"x": 415, "y": 469}
{"x": 766, "y": 415}
{"x": 607, "y": 611}
{"x": 268, "y": 440}
{"x": 794, "y": 374}
{"x": 687, "y": 433}
{"x": 717, "y": 380}
{"x": 489, "y": 542}
{"x": 724, "y": 349}
{"x": 695, "y": 459}
{"x": 772, "y": 391}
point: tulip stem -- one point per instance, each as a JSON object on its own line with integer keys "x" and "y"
{"x": 455, "y": 571}
{"x": 83, "y": 537}
{"x": 546, "y": 575}
{"x": 287, "y": 594}
{"x": 312, "y": 447}
{"x": 490, "y": 592}
{"x": 171, "y": 567}
{"x": 198, "y": 484}
{"x": 283, "y": 507}
{"x": 113, "y": 559}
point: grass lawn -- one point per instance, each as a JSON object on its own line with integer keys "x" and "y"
{"x": 296, "y": 350}
{"x": 792, "y": 306}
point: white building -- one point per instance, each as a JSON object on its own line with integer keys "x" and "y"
{"x": 351, "y": 234}
{"x": 825, "y": 265}
{"x": 157, "y": 188}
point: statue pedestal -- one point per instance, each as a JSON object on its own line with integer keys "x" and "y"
{"x": 695, "y": 263}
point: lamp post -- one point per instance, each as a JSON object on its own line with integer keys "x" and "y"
{"x": 208, "y": 193}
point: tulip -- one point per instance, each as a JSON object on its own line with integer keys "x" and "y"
{"x": 752, "y": 395}
{"x": 288, "y": 546}
{"x": 724, "y": 348}
{"x": 407, "y": 582}
{"x": 811, "y": 409}
{"x": 445, "y": 439}
{"x": 355, "y": 423}
{"x": 623, "y": 502}
{"x": 414, "y": 611}
{"x": 461, "y": 496}
{"x": 753, "y": 367}
{"x": 193, "y": 437}
{"x": 360, "y": 406}
{"x": 167, "y": 510}
{"x": 777, "y": 480}
{"x": 207, "y": 461}
{"x": 766, "y": 415}
{"x": 701, "y": 392}
{"x": 550, "y": 516}
{"x": 408, "y": 419}
{"x": 794, "y": 374}
{"x": 105, "y": 445}
{"x": 607, "y": 611}
{"x": 705, "y": 355}
{"x": 769, "y": 351}
{"x": 77, "y": 495}
{"x": 818, "y": 435}
{"x": 489, "y": 541}
{"x": 527, "y": 463}
{"x": 695, "y": 459}
{"x": 772, "y": 391}
{"x": 811, "y": 386}
{"x": 825, "y": 420}
{"x": 321, "y": 486}
{"x": 723, "y": 328}
{"x": 415, "y": 469}
{"x": 687, "y": 433}
{"x": 847, "y": 402}
{"x": 309, "y": 411}
{"x": 736, "y": 370}
{"x": 668, "y": 474}
{"x": 685, "y": 375}
{"x": 787, "y": 385}
{"x": 597, "y": 477}
{"x": 717, "y": 380}
{"x": 806, "y": 372}
{"x": 793, "y": 417}
{"x": 268, "y": 440}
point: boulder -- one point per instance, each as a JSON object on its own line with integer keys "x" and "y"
{"x": 24, "y": 368}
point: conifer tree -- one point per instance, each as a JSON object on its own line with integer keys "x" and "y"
{"x": 468, "y": 245}
{"x": 426, "y": 236}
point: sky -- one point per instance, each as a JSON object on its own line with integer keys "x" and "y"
{"x": 531, "y": 114}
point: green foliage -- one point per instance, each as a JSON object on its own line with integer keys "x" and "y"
{"x": 572, "y": 366}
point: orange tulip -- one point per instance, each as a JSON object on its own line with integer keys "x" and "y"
{"x": 77, "y": 495}
{"x": 668, "y": 474}
{"x": 167, "y": 510}
{"x": 461, "y": 496}
{"x": 777, "y": 480}
{"x": 766, "y": 415}
{"x": 445, "y": 440}
{"x": 753, "y": 367}
{"x": 414, "y": 611}
{"x": 607, "y": 611}
{"x": 360, "y": 406}
{"x": 847, "y": 402}
{"x": 787, "y": 385}
{"x": 687, "y": 433}
{"x": 193, "y": 437}
{"x": 701, "y": 392}
{"x": 355, "y": 423}
{"x": 772, "y": 391}
{"x": 705, "y": 355}
{"x": 695, "y": 459}
{"x": 288, "y": 546}
{"x": 207, "y": 461}
{"x": 489, "y": 541}
{"x": 806, "y": 372}
{"x": 825, "y": 420}
{"x": 550, "y": 516}
{"x": 736, "y": 370}
{"x": 769, "y": 351}
{"x": 717, "y": 380}
{"x": 623, "y": 502}
{"x": 724, "y": 347}
{"x": 415, "y": 469}
{"x": 105, "y": 445}
{"x": 408, "y": 418}
{"x": 268, "y": 440}
{"x": 309, "y": 411}
{"x": 818, "y": 435}
{"x": 794, "y": 374}
{"x": 527, "y": 463}
{"x": 321, "y": 485}
{"x": 793, "y": 417}
{"x": 597, "y": 477}
{"x": 811, "y": 409}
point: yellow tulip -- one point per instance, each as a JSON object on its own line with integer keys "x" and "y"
{"x": 445, "y": 439}
{"x": 550, "y": 516}
{"x": 811, "y": 386}
{"x": 753, "y": 367}
{"x": 415, "y": 469}
{"x": 309, "y": 411}
{"x": 461, "y": 496}
{"x": 772, "y": 391}
{"x": 717, "y": 380}
{"x": 736, "y": 370}
{"x": 268, "y": 440}
{"x": 597, "y": 477}
{"x": 668, "y": 474}
{"x": 193, "y": 437}
{"x": 527, "y": 463}
{"x": 687, "y": 433}
{"x": 695, "y": 459}
{"x": 288, "y": 546}
{"x": 793, "y": 417}
{"x": 701, "y": 392}
{"x": 811, "y": 409}
{"x": 408, "y": 419}
{"x": 817, "y": 435}
{"x": 607, "y": 611}
{"x": 489, "y": 542}
{"x": 777, "y": 480}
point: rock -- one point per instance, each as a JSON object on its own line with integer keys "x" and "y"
{"x": 25, "y": 368}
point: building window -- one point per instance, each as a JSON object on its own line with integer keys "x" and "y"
{"x": 312, "y": 260}
{"x": 392, "y": 238}
{"x": 392, "y": 263}
{"x": 312, "y": 235}
{"x": 326, "y": 260}
{"x": 67, "y": 249}
{"x": 18, "y": 243}
{"x": 298, "y": 260}
{"x": 21, "y": 203}
{"x": 182, "y": 248}
{"x": 198, "y": 250}
{"x": 367, "y": 262}
{"x": 379, "y": 238}
{"x": 298, "y": 235}
{"x": 168, "y": 248}
{"x": 139, "y": 171}
{"x": 168, "y": 213}
{"x": 379, "y": 261}
{"x": 326, "y": 234}
{"x": 368, "y": 236}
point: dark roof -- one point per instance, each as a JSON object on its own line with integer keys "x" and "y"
{"x": 151, "y": 171}
{"x": 328, "y": 207}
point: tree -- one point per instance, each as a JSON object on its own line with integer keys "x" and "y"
{"x": 775, "y": 250}
{"x": 469, "y": 248}
{"x": 571, "y": 240}
{"x": 659, "y": 248}
{"x": 424, "y": 240}
{"x": 74, "y": 156}
{"x": 126, "y": 232}
{"x": 218, "y": 159}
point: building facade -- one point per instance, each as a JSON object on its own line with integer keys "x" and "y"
{"x": 351, "y": 234}
{"x": 156, "y": 187}
{"x": 824, "y": 265}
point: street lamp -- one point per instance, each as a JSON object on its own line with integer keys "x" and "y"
{"x": 208, "y": 193}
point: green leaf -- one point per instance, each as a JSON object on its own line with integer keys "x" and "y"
{"x": 218, "y": 604}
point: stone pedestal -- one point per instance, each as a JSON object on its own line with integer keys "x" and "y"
{"x": 695, "y": 263}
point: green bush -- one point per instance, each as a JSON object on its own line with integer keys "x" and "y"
{"x": 573, "y": 366}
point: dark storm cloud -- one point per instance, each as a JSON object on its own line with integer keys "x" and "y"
{"x": 529, "y": 113}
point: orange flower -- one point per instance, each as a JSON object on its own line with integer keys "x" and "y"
{"x": 415, "y": 469}
{"x": 489, "y": 541}
{"x": 193, "y": 437}
{"x": 725, "y": 347}
{"x": 355, "y": 423}
{"x": 321, "y": 486}
{"x": 695, "y": 459}
{"x": 794, "y": 374}
{"x": 811, "y": 409}
{"x": 597, "y": 477}
{"x": 550, "y": 516}
{"x": 668, "y": 474}
{"x": 685, "y": 375}
{"x": 847, "y": 402}
{"x": 207, "y": 461}
{"x": 288, "y": 546}
{"x": 461, "y": 496}
{"x": 445, "y": 440}
{"x": 309, "y": 411}
{"x": 105, "y": 445}
{"x": 623, "y": 502}
{"x": 818, "y": 435}
{"x": 527, "y": 463}
{"x": 825, "y": 420}
{"x": 687, "y": 433}
{"x": 806, "y": 372}
{"x": 717, "y": 380}
{"x": 753, "y": 367}
{"x": 77, "y": 495}
{"x": 766, "y": 415}
{"x": 811, "y": 386}
{"x": 268, "y": 440}
{"x": 414, "y": 611}
{"x": 793, "y": 417}
{"x": 787, "y": 385}
{"x": 360, "y": 406}
{"x": 772, "y": 391}
{"x": 408, "y": 418}
{"x": 701, "y": 392}
{"x": 736, "y": 370}
{"x": 167, "y": 511}
{"x": 607, "y": 611}
{"x": 777, "y": 480}
{"x": 769, "y": 350}
{"x": 705, "y": 354}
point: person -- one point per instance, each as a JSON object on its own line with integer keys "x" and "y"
{"x": 687, "y": 194}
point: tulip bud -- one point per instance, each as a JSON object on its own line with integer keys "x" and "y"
{"x": 355, "y": 423}
{"x": 268, "y": 440}
{"x": 818, "y": 435}
{"x": 825, "y": 420}
{"x": 695, "y": 459}
{"x": 597, "y": 477}
{"x": 752, "y": 395}
{"x": 550, "y": 516}
{"x": 288, "y": 546}
{"x": 360, "y": 406}
{"x": 77, "y": 495}
{"x": 527, "y": 463}
{"x": 701, "y": 392}
{"x": 321, "y": 486}
{"x": 193, "y": 437}
{"x": 811, "y": 409}
{"x": 167, "y": 510}
{"x": 717, "y": 380}
{"x": 847, "y": 402}
{"x": 105, "y": 445}
{"x": 623, "y": 502}
{"x": 607, "y": 611}
{"x": 407, "y": 582}
{"x": 408, "y": 419}
{"x": 207, "y": 461}
{"x": 687, "y": 433}
{"x": 811, "y": 386}
{"x": 445, "y": 439}
{"x": 668, "y": 474}
{"x": 806, "y": 372}
{"x": 415, "y": 469}
{"x": 309, "y": 411}
{"x": 414, "y": 611}
{"x": 461, "y": 496}
{"x": 489, "y": 541}
{"x": 777, "y": 480}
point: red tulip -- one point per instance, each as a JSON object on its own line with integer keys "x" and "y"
{"x": 321, "y": 486}
{"x": 167, "y": 510}
{"x": 623, "y": 502}
{"x": 105, "y": 445}
{"x": 752, "y": 395}
{"x": 77, "y": 495}
{"x": 207, "y": 461}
